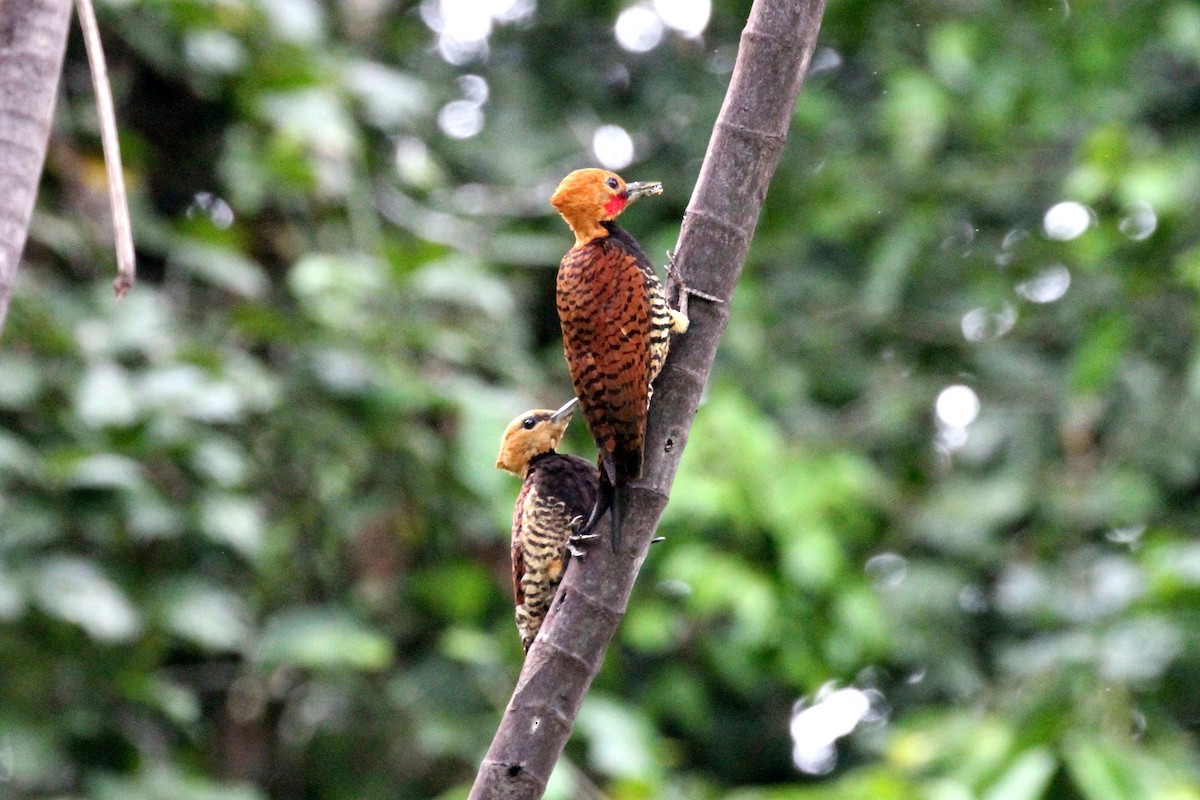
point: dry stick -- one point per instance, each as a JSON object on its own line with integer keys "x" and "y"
{"x": 750, "y": 131}
{"x": 122, "y": 227}
{"x": 33, "y": 39}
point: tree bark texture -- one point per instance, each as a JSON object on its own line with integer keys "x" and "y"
{"x": 750, "y": 131}
{"x": 33, "y": 39}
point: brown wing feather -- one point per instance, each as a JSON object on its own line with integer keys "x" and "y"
{"x": 606, "y": 325}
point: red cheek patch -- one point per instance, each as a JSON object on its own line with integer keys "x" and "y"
{"x": 614, "y": 205}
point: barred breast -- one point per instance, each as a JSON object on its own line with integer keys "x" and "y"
{"x": 558, "y": 493}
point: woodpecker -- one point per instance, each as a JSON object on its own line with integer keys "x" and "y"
{"x": 616, "y": 326}
{"x": 557, "y": 493}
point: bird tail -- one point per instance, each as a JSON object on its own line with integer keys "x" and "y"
{"x": 623, "y": 466}
{"x": 618, "y": 513}
{"x": 626, "y": 463}
{"x": 607, "y": 498}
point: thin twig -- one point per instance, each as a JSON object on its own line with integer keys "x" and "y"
{"x": 122, "y": 227}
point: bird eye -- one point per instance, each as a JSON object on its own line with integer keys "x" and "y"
{"x": 612, "y": 183}
{"x": 528, "y": 423}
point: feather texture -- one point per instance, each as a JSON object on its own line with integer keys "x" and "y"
{"x": 558, "y": 493}
{"x": 616, "y": 331}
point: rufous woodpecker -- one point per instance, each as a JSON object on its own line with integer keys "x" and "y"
{"x": 616, "y": 326}
{"x": 557, "y": 493}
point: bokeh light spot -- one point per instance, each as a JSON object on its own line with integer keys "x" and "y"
{"x": 979, "y": 324}
{"x": 886, "y": 570}
{"x": 1140, "y": 223}
{"x": 1128, "y": 535}
{"x": 463, "y": 26}
{"x": 1047, "y": 286}
{"x": 689, "y": 17}
{"x": 638, "y": 29}
{"x": 474, "y": 89}
{"x": 613, "y": 146}
{"x": 826, "y": 59}
{"x": 460, "y": 119}
{"x": 1067, "y": 220}
{"x": 957, "y": 406}
{"x": 815, "y": 728}
{"x": 213, "y": 207}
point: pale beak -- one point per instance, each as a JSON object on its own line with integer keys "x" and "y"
{"x": 566, "y": 411}
{"x": 641, "y": 189}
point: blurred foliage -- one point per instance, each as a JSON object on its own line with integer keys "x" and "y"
{"x": 253, "y": 543}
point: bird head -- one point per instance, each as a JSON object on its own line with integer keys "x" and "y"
{"x": 531, "y": 434}
{"x": 587, "y": 197}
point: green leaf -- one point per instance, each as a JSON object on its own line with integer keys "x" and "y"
{"x": 1026, "y": 779}
{"x": 222, "y": 267}
{"x": 212, "y": 617}
{"x": 77, "y": 591}
{"x": 168, "y": 782}
{"x": 1102, "y": 772}
{"x": 322, "y": 639}
{"x": 620, "y": 741}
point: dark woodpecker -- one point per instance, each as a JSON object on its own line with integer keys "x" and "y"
{"x": 556, "y": 496}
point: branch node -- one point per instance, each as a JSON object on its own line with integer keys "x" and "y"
{"x": 717, "y": 221}
{"x": 764, "y": 137}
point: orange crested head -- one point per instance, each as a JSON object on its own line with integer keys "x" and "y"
{"x": 530, "y": 435}
{"x": 587, "y": 197}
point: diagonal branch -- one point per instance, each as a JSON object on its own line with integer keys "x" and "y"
{"x": 33, "y": 39}
{"x": 776, "y": 46}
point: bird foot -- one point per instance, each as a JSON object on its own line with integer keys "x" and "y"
{"x": 679, "y": 319}
{"x": 573, "y": 544}
{"x": 575, "y": 541}
{"x": 676, "y": 277}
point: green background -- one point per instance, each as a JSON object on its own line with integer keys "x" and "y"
{"x": 252, "y": 544}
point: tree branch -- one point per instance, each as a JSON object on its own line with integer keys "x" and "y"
{"x": 33, "y": 39}
{"x": 773, "y": 57}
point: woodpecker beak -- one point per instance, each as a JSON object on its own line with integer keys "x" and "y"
{"x": 641, "y": 189}
{"x": 565, "y": 412}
